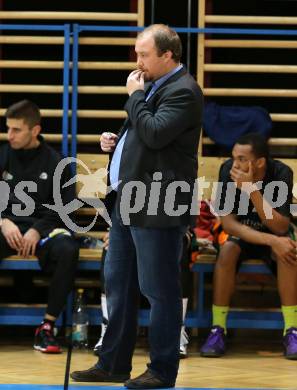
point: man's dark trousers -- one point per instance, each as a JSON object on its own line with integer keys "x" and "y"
{"x": 145, "y": 259}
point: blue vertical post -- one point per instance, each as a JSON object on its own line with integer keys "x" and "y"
{"x": 66, "y": 89}
{"x": 189, "y": 17}
{"x": 74, "y": 90}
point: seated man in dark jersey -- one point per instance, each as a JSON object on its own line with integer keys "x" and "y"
{"x": 257, "y": 223}
{"x": 27, "y": 227}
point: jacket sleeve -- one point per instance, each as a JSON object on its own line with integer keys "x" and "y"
{"x": 176, "y": 112}
{"x": 51, "y": 219}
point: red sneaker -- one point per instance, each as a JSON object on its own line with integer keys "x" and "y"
{"x": 45, "y": 340}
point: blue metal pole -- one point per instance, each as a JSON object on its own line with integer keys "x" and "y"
{"x": 232, "y": 31}
{"x": 66, "y": 89}
{"x": 31, "y": 27}
{"x": 74, "y": 90}
{"x": 189, "y": 17}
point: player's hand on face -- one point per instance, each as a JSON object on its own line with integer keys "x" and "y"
{"x": 239, "y": 177}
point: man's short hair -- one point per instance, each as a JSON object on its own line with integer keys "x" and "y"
{"x": 26, "y": 110}
{"x": 165, "y": 39}
{"x": 258, "y": 143}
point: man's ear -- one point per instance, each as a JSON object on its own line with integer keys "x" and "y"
{"x": 261, "y": 162}
{"x": 36, "y": 130}
{"x": 168, "y": 54}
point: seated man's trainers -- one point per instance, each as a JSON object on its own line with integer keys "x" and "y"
{"x": 45, "y": 340}
{"x": 214, "y": 346}
{"x": 95, "y": 374}
{"x": 290, "y": 344}
{"x": 147, "y": 380}
{"x": 184, "y": 341}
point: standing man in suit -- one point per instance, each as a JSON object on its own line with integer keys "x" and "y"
{"x": 152, "y": 171}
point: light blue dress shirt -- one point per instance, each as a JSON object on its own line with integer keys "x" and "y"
{"x": 116, "y": 158}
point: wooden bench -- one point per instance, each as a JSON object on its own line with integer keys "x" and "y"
{"x": 89, "y": 260}
{"x": 238, "y": 318}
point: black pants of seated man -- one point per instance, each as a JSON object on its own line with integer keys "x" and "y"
{"x": 57, "y": 257}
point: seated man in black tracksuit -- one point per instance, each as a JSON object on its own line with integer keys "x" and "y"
{"x": 28, "y": 227}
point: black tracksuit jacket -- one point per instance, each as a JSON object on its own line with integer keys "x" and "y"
{"x": 36, "y": 165}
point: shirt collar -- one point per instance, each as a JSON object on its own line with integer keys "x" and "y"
{"x": 166, "y": 76}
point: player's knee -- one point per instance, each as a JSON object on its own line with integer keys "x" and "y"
{"x": 68, "y": 247}
{"x": 229, "y": 255}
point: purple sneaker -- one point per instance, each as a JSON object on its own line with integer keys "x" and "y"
{"x": 214, "y": 346}
{"x": 290, "y": 344}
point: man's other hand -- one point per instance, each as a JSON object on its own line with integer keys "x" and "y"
{"x": 12, "y": 234}
{"x": 106, "y": 240}
{"x": 108, "y": 141}
{"x": 30, "y": 240}
{"x": 285, "y": 250}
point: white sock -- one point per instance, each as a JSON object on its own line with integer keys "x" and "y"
{"x": 184, "y": 339}
{"x": 104, "y": 306}
{"x": 185, "y": 304}
{"x": 104, "y": 320}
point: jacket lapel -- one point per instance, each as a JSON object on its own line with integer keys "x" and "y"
{"x": 147, "y": 87}
{"x": 126, "y": 122}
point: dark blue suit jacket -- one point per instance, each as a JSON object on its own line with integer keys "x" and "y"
{"x": 163, "y": 137}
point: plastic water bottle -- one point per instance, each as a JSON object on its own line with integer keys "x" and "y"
{"x": 80, "y": 322}
{"x": 90, "y": 242}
